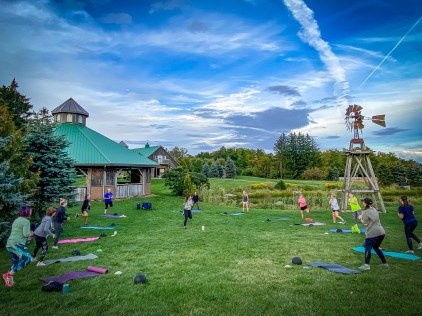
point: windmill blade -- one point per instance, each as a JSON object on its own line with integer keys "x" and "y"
{"x": 357, "y": 108}
{"x": 349, "y": 110}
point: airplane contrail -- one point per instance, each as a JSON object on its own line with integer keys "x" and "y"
{"x": 391, "y": 51}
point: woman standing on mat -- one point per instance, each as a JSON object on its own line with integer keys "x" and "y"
{"x": 374, "y": 234}
{"x": 410, "y": 223}
{"x": 187, "y": 209}
{"x": 16, "y": 247}
{"x": 41, "y": 234}
{"x": 245, "y": 201}
{"x": 108, "y": 200}
{"x": 302, "y": 204}
{"x": 195, "y": 199}
{"x": 335, "y": 209}
{"x": 58, "y": 221}
{"x": 86, "y": 206}
{"x": 356, "y": 211}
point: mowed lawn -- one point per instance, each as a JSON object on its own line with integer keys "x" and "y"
{"x": 235, "y": 266}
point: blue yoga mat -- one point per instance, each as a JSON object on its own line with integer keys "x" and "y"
{"x": 98, "y": 227}
{"x": 393, "y": 254}
{"x": 237, "y": 214}
{"x": 196, "y": 211}
{"x": 334, "y": 230}
{"x": 333, "y": 267}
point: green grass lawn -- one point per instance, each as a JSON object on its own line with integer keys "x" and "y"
{"x": 236, "y": 266}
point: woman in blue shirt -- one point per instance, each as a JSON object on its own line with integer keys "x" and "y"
{"x": 410, "y": 223}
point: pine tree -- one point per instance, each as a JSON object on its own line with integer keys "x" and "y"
{"x": 50, "y": 161}
{"x": 214, "y": 171}
{"x": 230, "y": 168}
{"x": 220, "y": 169}
{"x": 206, "y": 170}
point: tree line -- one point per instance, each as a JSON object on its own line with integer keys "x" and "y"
{"x": 295, "y": 156}
{"x": 35, "y": 168}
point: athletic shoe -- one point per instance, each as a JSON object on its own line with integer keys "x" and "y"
{"x": 384, "y": 265}
{"x": 8, "y": 279}
{"x": 420, "y": 245}
{"x": 55, "y": 247}
{"x": 410, "y": 251}
{"x": 365, "y": 267}
{"x": 40, "y": 264}
{"x": 105, "y": 211}
{"x": 33, "y": 259}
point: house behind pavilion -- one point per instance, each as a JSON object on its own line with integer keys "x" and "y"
{"x": 159, "y": 155}
{"x": 100, "y": 159}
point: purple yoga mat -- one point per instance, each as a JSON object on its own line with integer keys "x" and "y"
{"x": 72, "y": 275}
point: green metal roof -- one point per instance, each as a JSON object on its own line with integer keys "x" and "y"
{"x": 146, "y": 151}
{"x": 89, "y": 148}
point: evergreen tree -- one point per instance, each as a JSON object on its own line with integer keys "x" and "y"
{"x": 17, "y": 104}
{"x": 333, "y": 174}
{"x": 214, "y": 171}
{"x": 50, "y": 161}
{"x": 206, "y": 170}
{"x": 220, "y": 169}
{"x": 188, "y": 186}
{"x": 230, "y": 168}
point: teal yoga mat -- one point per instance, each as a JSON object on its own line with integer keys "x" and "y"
{"x": 334, "y": 230}
{"x": 393, "y": 254}
{"x": 99, "y": 227}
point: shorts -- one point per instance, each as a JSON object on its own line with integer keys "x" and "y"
{"x": 85, "y": 213}
{"x": 302, "y": 208}
{"x": 336, "y": 211}
{"x": 107, "y": 204}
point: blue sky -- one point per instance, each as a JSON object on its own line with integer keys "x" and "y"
{"x": 234, "y": 73}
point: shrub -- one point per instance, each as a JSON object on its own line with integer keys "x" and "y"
{"x": 261, "y": 186}
{"x": 280, "y": 185}
{"x": 314, "y": 174}
{"x": 333, "y": 186}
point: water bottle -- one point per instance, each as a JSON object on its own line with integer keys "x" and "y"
{"x": 66, "y": 288}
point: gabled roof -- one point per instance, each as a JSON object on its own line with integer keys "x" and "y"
{"x": 146, "y": 151}
{"x": 89, "y": 148}
{"x": 70, "y": 106}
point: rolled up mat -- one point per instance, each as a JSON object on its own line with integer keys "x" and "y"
{"x": 98, "y": 270}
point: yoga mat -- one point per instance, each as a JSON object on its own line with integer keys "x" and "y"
{"x": 313, "y": 224}
{"x": 71, "y": 259}
{"x": 334, "y": 230}
{"x": 237, "y": 214}
{"x": 285, "y": 218}
{"x": 113, "y": 215}
{"x": 333, "y": 267}
{"x": 77, "y": 240}
{"x": 393, "y": 254}
{"x": 196, "y": 211}
{"x": 72, "y": 275}
{"x": 98, "y": 227}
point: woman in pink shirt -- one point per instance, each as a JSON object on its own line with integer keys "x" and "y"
{"x": 302, "y": 205}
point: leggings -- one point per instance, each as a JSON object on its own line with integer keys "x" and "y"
{"x": 41, "y": 242}
{"x": 20, "y": 255}
{"x": 374, "y": 243}
{"x": 58, "y": 229}
{"x": 408, "y": 230}
{"x": 188, "y": 214}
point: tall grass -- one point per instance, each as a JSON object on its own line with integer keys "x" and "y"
{"x": 236, "y": 266}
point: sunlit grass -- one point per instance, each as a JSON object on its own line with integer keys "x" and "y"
{"x": 236, "y": 266}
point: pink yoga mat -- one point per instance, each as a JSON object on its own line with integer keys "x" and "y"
{"x": 77, "y": 240}
{"x": 97, "y": 269}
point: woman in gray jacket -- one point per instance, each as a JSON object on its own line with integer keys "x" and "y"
{"x": 374, "y": 234}
{"x": 41, "y": 233}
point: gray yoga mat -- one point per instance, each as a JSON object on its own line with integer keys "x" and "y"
{"x": 113, "y": 215}
{"x": 333, "y": 267}
{"x": 71, "y": 259}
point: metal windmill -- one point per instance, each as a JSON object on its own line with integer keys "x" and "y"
{"x": 358, "y": 164}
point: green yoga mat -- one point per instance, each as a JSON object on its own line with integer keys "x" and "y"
{"x": 393, "y": 254}
{"x": 98, "y": 227}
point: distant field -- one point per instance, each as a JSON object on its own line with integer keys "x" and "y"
{"x": 236, "y": 266}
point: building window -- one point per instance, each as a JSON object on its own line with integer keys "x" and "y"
{"x": 58, "y": 118}
{"x": 80, "y": 120}
{"x": 69, "y": 118}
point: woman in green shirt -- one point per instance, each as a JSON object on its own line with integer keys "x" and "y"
{"x": 16, "y": 247}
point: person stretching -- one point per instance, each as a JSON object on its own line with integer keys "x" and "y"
{"x": 302, "y": 205}
{"x": 41, "y": 234}
{"x": 374, "y": 234}
{"x": 16, "y": 247}
{"x": 335, "y": 209}
{"x": 58, "y": 221}
{"x": 86, "y": 206}
{"x": 407, "y": 215}
{"x": 108, "y": 200}
{"x": 245, "y": 202}
{"x": 195, "y": 199}
{"x": 187, "y": 210}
